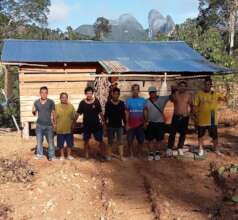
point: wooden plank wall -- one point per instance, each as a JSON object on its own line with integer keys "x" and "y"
{"x": 57, "y": 81}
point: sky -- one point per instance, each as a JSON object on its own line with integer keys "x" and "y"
{"x": 74, "y": 13}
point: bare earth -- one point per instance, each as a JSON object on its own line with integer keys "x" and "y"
{"x": 167, "y": 189}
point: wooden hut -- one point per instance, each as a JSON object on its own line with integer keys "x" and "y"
{"x": 69, "y": 66}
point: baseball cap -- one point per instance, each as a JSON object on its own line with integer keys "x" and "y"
{"x": 152, "y": 89}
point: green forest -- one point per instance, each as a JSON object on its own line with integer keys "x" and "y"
{"x": 213, "y": 33}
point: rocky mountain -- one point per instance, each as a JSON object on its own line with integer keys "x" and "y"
{"x": 86, "y": 29}
{"x": 127, "y": 27}
{"x": 159, "y": 23}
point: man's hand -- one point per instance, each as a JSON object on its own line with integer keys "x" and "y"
{"x": 194, "y": 118}
{"x": 146, "y": 124}
{"x": 54, "y": 126}
{"x": 105, "y": 129}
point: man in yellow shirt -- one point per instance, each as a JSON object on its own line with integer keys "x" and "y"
{"x": 206, "y": 104}
{"x": 65, "y": 114}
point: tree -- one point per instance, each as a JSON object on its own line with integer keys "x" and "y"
{"x": 161, "y": 37}
{"x": 71, "y": 34}
{"x": 221, "y": 14}
{"x": 232, "y": 24}
{"x": 101, "y": 28}
{"x": 208, "y": 42}
{"x": 25, "y": 11}
{"x": 16, "y": 17}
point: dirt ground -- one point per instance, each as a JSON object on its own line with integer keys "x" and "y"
{"x": 169, "y": 189}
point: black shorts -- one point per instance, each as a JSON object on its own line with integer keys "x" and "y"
{"x": 62, "y": 138}
{"x": 137, "y": 133}
{"x": 212, "y": 131}
{"x": 98, "y": 135}
{"x": 155, "y": 130}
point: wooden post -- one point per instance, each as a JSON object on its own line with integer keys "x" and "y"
{"x": 7, "y": 82}
{"x": 26, "y": 130}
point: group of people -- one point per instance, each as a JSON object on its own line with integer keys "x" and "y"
{"x": 137, "y": 117}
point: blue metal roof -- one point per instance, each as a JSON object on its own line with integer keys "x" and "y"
{"x": 169, "y": 56}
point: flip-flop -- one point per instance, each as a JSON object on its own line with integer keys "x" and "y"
{"x": 235, "y": 198}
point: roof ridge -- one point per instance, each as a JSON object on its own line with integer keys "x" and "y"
{"x": 93, "y": 41}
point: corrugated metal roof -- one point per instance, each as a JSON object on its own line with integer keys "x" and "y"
{"x": 114, "y": 67}
{"x": 169, "y": 56}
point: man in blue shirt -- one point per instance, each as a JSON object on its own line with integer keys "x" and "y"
{"x": 135, "y": 110}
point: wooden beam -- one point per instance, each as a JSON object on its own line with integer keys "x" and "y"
{"x": 54, "y": 85}
{"x": 192, "y": 77}
{"x": 53, "y": 91}
{"x": 54, "y": 70}
{"x": 23, "y": 64}
{"x": 54, "y": 77}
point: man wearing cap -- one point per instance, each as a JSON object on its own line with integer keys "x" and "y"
{"x": 155, "y": 121}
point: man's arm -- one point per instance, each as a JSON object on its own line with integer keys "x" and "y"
{"x": 223, "y": 98}
{"x": 100, "y": 112}
{"x": 79, "y": 111}
{"x": 190, "y": 101}
{"x": 106, "y": 113}
{"x": 145, "y": 111}
{"x": 173, "y": 92}
{"x": 127, "y": 118}
{"x": 34, "y": 110}
{"x": 194, "y": 107}
{"x": 146, "y": 117}
{"x": 127, "y": 113}
{"x": 53, "y": 115}
{"x": 53, "y": 118}
{"x": 124, "y": 115}
{"x": 102, "y": 118}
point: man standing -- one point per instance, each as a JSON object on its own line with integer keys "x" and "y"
{"x": 91, "y": 110}
{"x": 155, "y": 121}
{"x": 65, "y": 114}
{"x": 135, "y": 117}
{"x": 206, "y": 105}
{"x": 182, "y": 101}
{"x": 45, "y": 109}
{"x": 114, "y": 116}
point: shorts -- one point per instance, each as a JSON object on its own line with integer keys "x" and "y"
{"x": 111, "y": 135}
{"x": 137, "y": 133}
{"x": 212, "y": 131}
{"x": 98, "y": 135}
{"x": 155, "y": 130}
{"x": 65, "y": 138}
{"x": 179, "y": 124}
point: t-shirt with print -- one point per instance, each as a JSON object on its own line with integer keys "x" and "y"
{"x": 44, "y": 112}
{"x": 206, "y": 106}
{"x": 154, "y": 114}
{"x": 65, "y": 114}
{"x": 91, "y": 121}
{"x": 135, "y": 107}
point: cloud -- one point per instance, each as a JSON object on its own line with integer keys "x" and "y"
{"x": 60, "y": 11}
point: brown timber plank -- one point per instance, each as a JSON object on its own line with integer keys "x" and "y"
{"x": 52, "y": 85}
{"x": 48, "y": 70}
{"x": 70, "y": 91}
{"x": 54, "y": 77}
